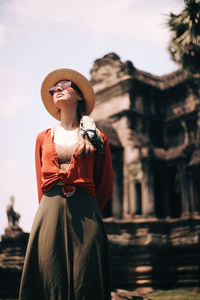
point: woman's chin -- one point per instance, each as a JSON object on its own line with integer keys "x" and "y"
{"x": 60, "y": 103}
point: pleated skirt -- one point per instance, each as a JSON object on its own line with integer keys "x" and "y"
{"x": 66, "y": 257}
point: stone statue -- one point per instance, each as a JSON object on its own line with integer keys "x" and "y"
{"x": 13, "y": 217}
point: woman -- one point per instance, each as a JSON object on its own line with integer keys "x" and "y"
{"x": 66, "y": 256}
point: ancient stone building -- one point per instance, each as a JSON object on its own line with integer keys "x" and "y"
{"x": 153, "y": 218}
{"x": 153, "y": 124}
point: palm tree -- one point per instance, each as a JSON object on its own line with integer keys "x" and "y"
{"x": 184, "y": 46}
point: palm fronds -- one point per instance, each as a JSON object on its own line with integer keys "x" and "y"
{"x": 184, "y": 46}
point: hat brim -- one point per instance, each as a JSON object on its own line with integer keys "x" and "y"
{"x": 66, "y": 74}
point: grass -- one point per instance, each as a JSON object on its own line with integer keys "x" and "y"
{"x": 178, "y": 294}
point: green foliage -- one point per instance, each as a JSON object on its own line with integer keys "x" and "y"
{"x": 184, "y": 46}
{"x": 177, "y": 294}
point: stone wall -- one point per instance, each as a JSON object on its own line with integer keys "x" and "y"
{"x": 12, "y": 252}
{"x": 161, "y": 254}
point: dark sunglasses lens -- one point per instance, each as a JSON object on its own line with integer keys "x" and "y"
{"x": 66, "y": 84}
{"x": 52, "y": 90}
{"x": 62, "y": 87}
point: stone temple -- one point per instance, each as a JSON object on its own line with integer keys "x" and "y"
{"x": 153, "y": 218}
{"x": 153, "y": 124}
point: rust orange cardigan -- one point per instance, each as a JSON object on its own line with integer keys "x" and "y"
{"x": 91, "y": 173}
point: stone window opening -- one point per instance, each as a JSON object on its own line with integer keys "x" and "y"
{"x": 138, "y": 198}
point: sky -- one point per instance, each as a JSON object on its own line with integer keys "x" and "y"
{"x": 38, "y": 36}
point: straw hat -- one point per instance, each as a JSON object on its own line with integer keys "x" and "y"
{"x": 66, "y": 74}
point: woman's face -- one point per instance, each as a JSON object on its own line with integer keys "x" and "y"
{"x": 65, "y": 96}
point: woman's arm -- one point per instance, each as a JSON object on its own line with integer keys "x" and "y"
{"x": 103, "y": 175}
{"x": 38, "y": 165}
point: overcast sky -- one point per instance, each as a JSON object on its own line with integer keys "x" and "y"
{"x": 38, "y": 36}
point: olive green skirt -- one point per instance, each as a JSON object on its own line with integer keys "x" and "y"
{"x": 66, "y": 257}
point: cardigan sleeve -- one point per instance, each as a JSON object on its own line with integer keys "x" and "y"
{"x": 103, "y": 175}
{"x": 38, "y": 165}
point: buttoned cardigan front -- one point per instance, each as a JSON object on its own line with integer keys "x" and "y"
{"x": 91, "y": 173}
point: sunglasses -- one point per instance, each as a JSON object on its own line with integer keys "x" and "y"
{"x": 63, "y": 86}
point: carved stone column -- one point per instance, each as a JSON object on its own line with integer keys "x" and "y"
{"x": 185, "y": 193}
{"x": 191, "y": 193}
{"x": 148, "y": 205}
{"x": 116, "y": 199}
{"x": 165, "y": 198}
